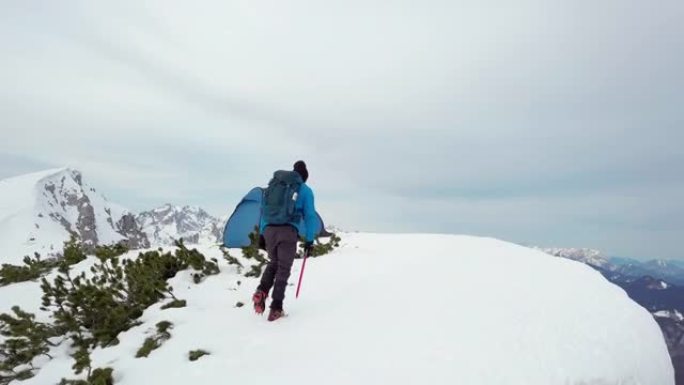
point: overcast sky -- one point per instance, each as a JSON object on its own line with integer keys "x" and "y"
{"x": 553, "y": 123}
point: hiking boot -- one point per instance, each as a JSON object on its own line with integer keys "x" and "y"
{"x": 275, "y": 314}
{"x": 259, "y": 299}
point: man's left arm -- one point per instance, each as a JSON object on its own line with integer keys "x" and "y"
{"x": 310, "y": 216}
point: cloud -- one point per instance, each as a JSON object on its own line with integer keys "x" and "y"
{"x": 542, "y": 122}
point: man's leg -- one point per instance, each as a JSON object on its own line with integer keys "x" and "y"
{"x": 270, "y": 235}
{"x": 287, "y": 250}
{"x": 259, "y": 297}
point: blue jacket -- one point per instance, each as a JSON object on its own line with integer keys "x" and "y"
{"x": 305, "y": 206}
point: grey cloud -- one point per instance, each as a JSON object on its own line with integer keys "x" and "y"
{"x": 547, "y": 122}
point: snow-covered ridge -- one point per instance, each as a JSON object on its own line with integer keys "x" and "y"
{"x": 39, "y": 211}
{"x": 589, "y": 256}
{"x": 394, "y": 309}
{"x": 167, "y": 223}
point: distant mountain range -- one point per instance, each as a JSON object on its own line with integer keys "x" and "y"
{"x": 589, "y": 256}
{"x": 40, "y": 211}
{"x": 669, "y": 270}
{"x": 167, "y": 223}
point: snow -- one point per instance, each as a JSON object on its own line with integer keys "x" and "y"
{"x": 399, "y": 309}
{"x": 106, "y": 233}
{"x": 662, "y": 314}
{"x": 18, "y": 218}
{"x": 33, "y": 206}
{"x": 672, "y": 314}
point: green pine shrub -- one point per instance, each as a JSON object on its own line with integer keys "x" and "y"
{"x": 253, "y": 253}
{"x": 99, "y": 376}
{"x": 323, "y": 248}
{"x": 73, "y": 252}
{"x": 197, "y": 261}
{"x": 154, "y": 342}
{"x": 24, "y": 375}
{"x": 195, "y": 355}
{"x": 91, "y": 310}
{"x": 163, "y": 327}
{"x": 19, "y": 375}
{"x": 33, "y": 268}
{"x": 147, "y": 347}
{"x": 176, "y": 303}
{"x": 232, "y": 260}
{"x": 25, "y": 339}
{"x": 254, "y": 271}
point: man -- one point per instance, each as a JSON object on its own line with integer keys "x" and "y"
{"x": 280, "y": 228}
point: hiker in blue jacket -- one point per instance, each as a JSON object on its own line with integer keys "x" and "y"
{"x": 281, "y": 223}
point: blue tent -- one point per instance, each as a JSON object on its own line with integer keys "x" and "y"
{"x": 247, "y": 216}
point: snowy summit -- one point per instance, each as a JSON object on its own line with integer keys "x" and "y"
{"x": 394, "y": 309}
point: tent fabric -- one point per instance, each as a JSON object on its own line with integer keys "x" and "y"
{"x": 247, "y": 216}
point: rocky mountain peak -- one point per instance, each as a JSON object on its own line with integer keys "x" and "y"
{"x": 42, "y": 210}
{"x": 169, "y": 222}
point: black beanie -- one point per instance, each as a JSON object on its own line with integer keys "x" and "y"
{"x": 300, "y": 167}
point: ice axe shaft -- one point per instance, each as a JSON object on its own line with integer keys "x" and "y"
{"x": 301, "y": 274}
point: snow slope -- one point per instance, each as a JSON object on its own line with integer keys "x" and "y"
{"x": 397, "y": 309}
{"x": 39, "y": 211}
{"x": 19, "y": 221}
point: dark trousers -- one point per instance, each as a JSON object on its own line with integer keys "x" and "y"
{"x": 281, "y": 245}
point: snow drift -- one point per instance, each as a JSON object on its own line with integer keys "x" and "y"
{"x": 397, "y": 309}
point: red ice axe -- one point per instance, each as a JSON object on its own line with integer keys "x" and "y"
{"x": 301, "y": 274}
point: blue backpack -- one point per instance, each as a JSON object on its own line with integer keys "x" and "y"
{"x": 280, "y": 197}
